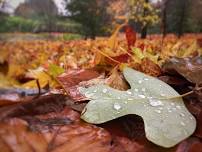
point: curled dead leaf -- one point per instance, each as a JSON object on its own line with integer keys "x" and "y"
{"x": 190, "y": 68}
{"x": 71, "y": 79}
{"x": 117, "y": 81}
{"x": 150, "y": 68}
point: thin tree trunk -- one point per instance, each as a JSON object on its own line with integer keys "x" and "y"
{"x": 164, "y": 18}
{"x": 182, "y": 18}
{"x": 144, "y": 32}
{"x": 144, "y": 29}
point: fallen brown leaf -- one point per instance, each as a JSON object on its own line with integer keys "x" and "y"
{"x": 71, "y": 79}
{"x": 190, "y": 68}
{"x": 150, "y": 68}
{"x": 117, "y": 81}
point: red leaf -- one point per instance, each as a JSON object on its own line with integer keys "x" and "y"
{"x": 130, "y": 36}
{"x": 190, "y": 145}
{"x": 123, "y": 58}
{"x": 19, "y": 136}
{"x": 70, "y": 80}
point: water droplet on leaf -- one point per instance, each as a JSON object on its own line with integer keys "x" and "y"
{"x": 155, "y": 103}
{"x": 128, "y": 92}
{"x": 140, "y": 81}
{"x": 141, "y": 96}
{"x": 136, "y": 90}
{"x": 117, "y": 106}
{"x": 143, "y": 89}
{"x": 182, "y": 115}
{"x": 158, "y": 111}
{"x": 182, "y": 123}
{"x": 104, "y": 90}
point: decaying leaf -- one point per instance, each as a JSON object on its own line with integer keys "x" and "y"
{"x": 51, "y": 126}
{"x": 190, "y": 145}
{"x": 130, "y": 36}
{"x": 116, "y": 81}
{"x": 113, "y": 42}
{"x": 150, "y": 68}
{"x": 55, "y": 134}
{"x": 43, "y": 78}
{"x": 72, "y": 78}
{"x": 190, "y": 68}
{"x": 167, "y": 121}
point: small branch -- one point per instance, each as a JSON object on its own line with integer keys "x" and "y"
{"x": 109, "y": 57}
{"x": 39, "y": 88}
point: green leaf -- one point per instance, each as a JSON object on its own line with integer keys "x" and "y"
{"x": 167, "y": 121}
{"x": 55, "y": 70}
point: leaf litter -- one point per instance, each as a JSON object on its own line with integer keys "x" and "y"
{"x": 40, "y": 122}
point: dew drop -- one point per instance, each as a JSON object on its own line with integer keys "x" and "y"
{"x": 104, "y": 90}
{"x": 141, "y": 96}
{"x": 146, "y": 79}
{"x": 172, "y": 104}
{"x": 155, "y": 103}
{"x": 130, "y": 99}
{"x": 182, "y": 123}
{"x": 126, "y": 102}
{"x": 119, "y": 98}
{"x": 136, "y": 90}
{"x": 158, "y": 111}
{"x": 143, "y": 89}
{"x": 117, "y": 106}
{"x": 140, "y": 81}
{"x": 95, "y": 91}
{"x": 178, "y": 107}
{"x": 182, "y": 115}
{"x": 163, "y": 95}
{"x": 128, "y": 92}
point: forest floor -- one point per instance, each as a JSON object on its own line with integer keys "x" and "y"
{"x": 40, "y": 101}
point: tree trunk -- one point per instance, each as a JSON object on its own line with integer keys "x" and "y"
{"x": 144, "y": 29}
{"x": 164, "y": 18}
{"x": 144, "y": 32}
{"x": 182, "y": 18}
{"x": 92, "y": 32}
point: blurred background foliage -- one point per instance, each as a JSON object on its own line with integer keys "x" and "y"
{"x": 92, "y": 18}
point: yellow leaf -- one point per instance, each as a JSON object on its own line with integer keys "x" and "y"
{"x": 15, "y": 70}
{"x": 113, "y": 42}
{"x": 43, "y": 78}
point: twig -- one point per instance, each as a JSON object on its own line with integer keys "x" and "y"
{"x": 56, "y": 80}
{"x": 39, "y": 89}
{"x": 108, "y": 57}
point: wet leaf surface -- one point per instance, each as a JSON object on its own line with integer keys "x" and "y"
{"x": 70, "y": 80}
{"x": 167, "y": 122}
{"x": 190, "y": 68}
